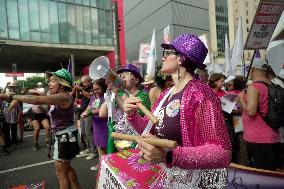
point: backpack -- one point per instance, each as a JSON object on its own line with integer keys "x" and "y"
{"x": 275, "y": 115}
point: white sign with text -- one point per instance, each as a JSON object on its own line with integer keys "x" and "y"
{"x": 107, "y": 179}
{"x": 264, "y": 23}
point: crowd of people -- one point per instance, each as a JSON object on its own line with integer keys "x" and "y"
{"x": 185, "y": 100}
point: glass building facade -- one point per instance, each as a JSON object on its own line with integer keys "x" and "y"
{"x": 81, "y": 22}
{"x": 222, "y": 25}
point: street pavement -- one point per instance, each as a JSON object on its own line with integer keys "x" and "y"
{"x": 25, "y": 166}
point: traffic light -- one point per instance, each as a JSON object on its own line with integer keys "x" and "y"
{"x": 14, "y": 67}
{"x": 118, "y": 25}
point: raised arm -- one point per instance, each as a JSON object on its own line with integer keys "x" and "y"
{"x": 63, "y": 100}
{"x": 4, "y": 90}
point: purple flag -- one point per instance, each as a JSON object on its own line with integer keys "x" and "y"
{"x": 69, "y": 68}
{"x": 257, "y": 54}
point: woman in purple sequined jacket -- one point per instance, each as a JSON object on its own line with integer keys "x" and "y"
{"x": 190, "y": 113}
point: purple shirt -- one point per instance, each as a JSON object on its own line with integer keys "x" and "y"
{"x": 95, "y": 103}
{"x": 12, "y": 116}
{"x": 169, "y": 119}
{"x": 61, "y": 118}
{"x": 100, "y": 129}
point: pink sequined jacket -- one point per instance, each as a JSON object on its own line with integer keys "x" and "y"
{"x": 205, "y": 140}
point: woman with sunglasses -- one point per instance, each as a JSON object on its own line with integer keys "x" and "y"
{"x": 189, "y": 113}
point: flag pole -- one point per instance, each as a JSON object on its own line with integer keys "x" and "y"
{"x": 244, "y": 64}
{"x": 250, "y": 66}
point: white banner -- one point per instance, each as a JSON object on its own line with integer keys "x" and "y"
{"x": 204, "y": 39}
{"x": 144, "y": 52}
{"x": 238, "y": 49}
{"x": 167, "y": 38}
{"x": 151, "y": 62}
{"x": 264, "y": 23}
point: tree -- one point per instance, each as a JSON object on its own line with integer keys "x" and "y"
{"x": 31, "y": 82}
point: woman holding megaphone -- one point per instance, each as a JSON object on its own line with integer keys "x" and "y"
{"x": 131, "y": 76}
{"x": 131, "y": 79}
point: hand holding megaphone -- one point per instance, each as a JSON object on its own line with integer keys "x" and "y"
{"x": 100, "y": 69}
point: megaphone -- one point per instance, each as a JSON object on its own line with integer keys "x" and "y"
{"x": 100, "y": 69}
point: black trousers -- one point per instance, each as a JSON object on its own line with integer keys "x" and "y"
{"x": 10, "y": 131}
{"x": 264, "y": 156}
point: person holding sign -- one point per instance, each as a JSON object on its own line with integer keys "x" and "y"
{"x": 263, "y": 142}
{"x": 189, "y": 113}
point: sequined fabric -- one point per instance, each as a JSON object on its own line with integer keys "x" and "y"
{"x": 205, "y": 140}
{"x": 191, "y": 47}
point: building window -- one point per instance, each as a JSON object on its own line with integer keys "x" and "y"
{"x": 93, "y": 3}
{"x": 13, "y": 24}
{"x": 95, "y": 26}
{"x": 247, "y": 21}
{"x": 3, "y": 20}
{"x": 44, "y": 21}
{"x": 63, "y": 25}
{"x": 34, "y": 20}
{"x": 247, "y": 29}
{"x": 86, "y": 2}
{"x": 102, "y": 26}
{"x": 24, "y": 20}
{"x": 71, "y": 23}
{"x": 87, "y": 25}
{"x": 109, "y": 31}
{"x": 80, "y": 25}
{"x": 53, "y": 22}
{"x": 78, "y": 2}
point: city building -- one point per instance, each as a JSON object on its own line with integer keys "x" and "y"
{"x": 244, "y": 9}
{"x": 39, "y": 35}
{"x": 141, "y": 17}
{"x": 219, "y": 26}
{"x": 224, "y": 17}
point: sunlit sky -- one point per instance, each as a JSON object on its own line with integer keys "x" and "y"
{"x": 4, "y": 79}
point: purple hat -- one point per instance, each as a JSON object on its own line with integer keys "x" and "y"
{"x": 191, "y": 47}
{"x": 131, "y": 68}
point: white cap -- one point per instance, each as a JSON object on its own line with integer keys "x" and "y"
{"x": 259, "y": 63}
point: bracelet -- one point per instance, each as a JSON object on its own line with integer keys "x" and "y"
{"x": 169, "y": 157}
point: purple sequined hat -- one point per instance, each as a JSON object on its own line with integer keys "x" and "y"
{"x": 131, "y": 68}
{"x": 191, "y": 47}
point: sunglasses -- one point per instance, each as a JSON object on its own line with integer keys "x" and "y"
{"x": 167, "y": 52}
{"x": 125, "y": 74}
